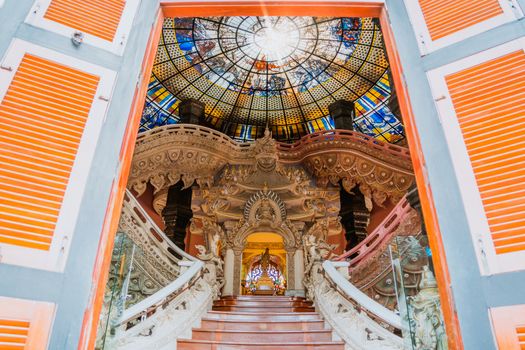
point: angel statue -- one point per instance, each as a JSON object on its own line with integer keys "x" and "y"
{"x": 315, "y": 252}
{"x": 213, "y": 270}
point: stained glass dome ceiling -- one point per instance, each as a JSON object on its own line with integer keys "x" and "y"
{"x": 280, "y": 71}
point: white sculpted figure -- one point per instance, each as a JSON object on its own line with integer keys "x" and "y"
{"x": 425, "y": 309}
{"x": 214, "y": 271}
{"x": 214, "y": 244}
{"x": 265, "y": 211}
{"x": 315, "y": 252}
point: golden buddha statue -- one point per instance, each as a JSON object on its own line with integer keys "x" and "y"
{"x": 265, "y": 285}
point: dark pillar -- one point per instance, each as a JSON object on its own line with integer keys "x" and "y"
{"x": 191, "y": 111}
{"x": 343, "y": 113}
{"x": 177, "y": 214}
{"x": 354, "y": 217}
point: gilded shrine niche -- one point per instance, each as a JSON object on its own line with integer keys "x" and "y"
{"x": 290, "y": 190}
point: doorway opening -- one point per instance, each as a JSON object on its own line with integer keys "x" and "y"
{"x": 162, "y": 109}
{"x": 264, "y": 265}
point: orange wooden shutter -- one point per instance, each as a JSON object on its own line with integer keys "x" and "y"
{"x": 445, "y": 17}
{"x": 42, "y": 118}
{"x": 96, "y": 17}
{"x": 25, "y": 324}
{"x": 13, "y": 334}
{"x": 509, "y": 326}
{"x": 520, "y": 330}
{"x": 489, "y": 101}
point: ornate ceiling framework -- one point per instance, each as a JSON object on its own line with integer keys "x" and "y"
{"x": 280, "y": 71}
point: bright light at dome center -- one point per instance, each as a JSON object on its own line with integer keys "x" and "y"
{"x": 277, "y": 42}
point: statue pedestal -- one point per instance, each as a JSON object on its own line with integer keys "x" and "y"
{"x": 264, "y": 286}
{"x": 263, "y": 292}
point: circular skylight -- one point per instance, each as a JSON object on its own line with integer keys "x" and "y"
{"x": 280, "y": 71}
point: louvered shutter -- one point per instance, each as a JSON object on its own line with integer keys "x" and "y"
{"x": 25, "y": 324}
{"x": 489, "y": 100}
{"x": 42, "y": 118}
{"x": 482, "y": 107}
{"x": 49, "y": 116}
{"x": 105, "y": 24}
{"x": 96, "y": 17}
{"x": 439, "y": 23}
{"x": 509, "y": 326}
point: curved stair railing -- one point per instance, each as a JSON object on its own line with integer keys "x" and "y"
{"x": 136, "y": 222}
{"x": 156, "y": 321}
{"x": 159, "y": 320}
{"x": 371, "y": 245}
{"x": 361, "y": 322}
{"x": 370, "y": 266}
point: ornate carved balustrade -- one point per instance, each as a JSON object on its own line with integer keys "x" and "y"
{"x": 376, "y": 241}
{"x": 192, "y": 153}
{"x": 186, "y": 286}
{"x": 157, "y": 321}
{"x": 370, "y": 262}
{"x": 360, "y": 321}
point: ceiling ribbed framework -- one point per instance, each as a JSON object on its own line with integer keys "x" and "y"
{"x": 280, "y": 71}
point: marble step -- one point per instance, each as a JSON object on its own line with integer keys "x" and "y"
{"x": 263, "y": 316}
{"x": 261, "y": 336}
{"x": 263, "y": 326}
{"x": 266, "y": 308}
{"x": 222, "y": 345}
{"x": 263, "y": 303}
{"x": 263, "y": 297}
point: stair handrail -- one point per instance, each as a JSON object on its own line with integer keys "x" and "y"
{"x": 159, "y": 237}
{"x": 381, "y": 233}
{"x": 357, "y": 319}
{"x": 185, "y": 296}
{"x": 149, "y": 306}
{"x": 364, "y": 301}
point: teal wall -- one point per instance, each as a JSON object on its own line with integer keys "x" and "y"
{"x": 70, "y": 290}
{"x": 472, "y": 293}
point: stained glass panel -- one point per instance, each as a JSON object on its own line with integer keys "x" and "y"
{"x": 280, "y": 71}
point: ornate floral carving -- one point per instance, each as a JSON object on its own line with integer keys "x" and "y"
{"x": 165, "y": 168}
{"x": 265, "y": 150}
{"x": 195, "y": 153}
{"x": 375, "y": 179}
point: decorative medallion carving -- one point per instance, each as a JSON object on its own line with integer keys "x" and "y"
{"x": 265, "y": 205}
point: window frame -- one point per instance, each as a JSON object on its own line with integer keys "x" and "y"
{"x": 55, "y": 258}
{"x": 511, "y": 12}
{"x": 38, "y": 10}
{"x": 40, "y": 315}
{"x": 489, "y": 262}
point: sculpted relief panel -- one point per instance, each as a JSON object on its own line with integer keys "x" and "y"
{"x": 197, "y": 154}
{"x": 266, "y": 186}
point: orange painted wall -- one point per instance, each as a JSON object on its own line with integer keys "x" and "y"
{"x": 378, "y": 214}
{"x": 146, "y": 201}
{"x": 338, "y": 239}
{"x": 192, "y": 240}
